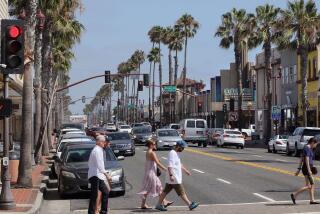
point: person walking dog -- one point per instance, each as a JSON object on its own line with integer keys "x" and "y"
{"x": 308, "y": 170}
{"x": 174, "y": 178}
{"x": 98, "y": 176}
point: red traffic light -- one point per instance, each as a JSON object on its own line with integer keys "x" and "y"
{"x": 14, "y": 31}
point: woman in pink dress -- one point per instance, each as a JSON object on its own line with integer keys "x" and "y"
{"x": 151, "y": 183}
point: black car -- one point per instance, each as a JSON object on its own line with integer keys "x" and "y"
{"x": 141, "y": 134}
{"x": 73, "y": 175}
{"x": 121, "y": 143}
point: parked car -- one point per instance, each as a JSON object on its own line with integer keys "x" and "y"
{"x": 231, "y": 137}
{"x": 141, "y": 134}
{"x": 65, "y": 131}
{"x": 194, "y": 131}
{"x": 133, "y": 125}
{"x": 121, "y": 143}
{"x": 174, "y": 126}
{"x": 166, "y": 138}
{"x": 73, "y": 174}
{"x": 125, "y": 128}
{"x": 72, "y": 136}
{"x": 299, "y": 139}
{"x": 79, "y": 126}
{"x": 214, "y": 134}
{"x": 111, "y": 127}
{"x": 248, "y": 132}
{"x": 146, "y": 123}
{"x": 278, "y": 143}
{"x": 95, "y": 131}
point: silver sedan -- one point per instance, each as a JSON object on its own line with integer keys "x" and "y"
{"x": 166, "y": 138}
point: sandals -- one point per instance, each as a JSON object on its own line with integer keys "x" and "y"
{"x": 168, "y": 204}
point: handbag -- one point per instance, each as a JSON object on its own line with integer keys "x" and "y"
{"x": 314, "y": 170}
{"x": 158, "y": 172}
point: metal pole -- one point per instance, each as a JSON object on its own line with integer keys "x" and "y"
{"x": 6, "y": 198}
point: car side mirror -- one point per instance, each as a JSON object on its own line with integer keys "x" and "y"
{"x": 120, "y": 158}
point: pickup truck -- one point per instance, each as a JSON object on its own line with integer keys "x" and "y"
{"x": 248, "y": 132}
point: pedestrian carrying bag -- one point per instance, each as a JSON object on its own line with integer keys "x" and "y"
{"x": 314, "y": 170}
{"x": 158, "y": 172}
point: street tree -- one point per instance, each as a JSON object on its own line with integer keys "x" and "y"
{"x": 189, "y": 27}
{"x": 300, "y": 23}
{"x": 236, "y": 28}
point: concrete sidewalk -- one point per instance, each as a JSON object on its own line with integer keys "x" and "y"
{"x": 261, "y": 208}
{"x": 30, "y": 200}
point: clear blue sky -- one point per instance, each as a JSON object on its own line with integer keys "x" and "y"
{"x": 116, "y": 28}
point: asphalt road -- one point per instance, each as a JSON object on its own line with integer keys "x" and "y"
{"x": 220, "y": 177}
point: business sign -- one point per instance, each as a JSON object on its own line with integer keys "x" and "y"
{"x": 276, "y": 113}
{"x": 247, "y": 94}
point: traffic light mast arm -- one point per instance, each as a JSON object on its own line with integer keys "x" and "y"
{"x": 93, "y": 77}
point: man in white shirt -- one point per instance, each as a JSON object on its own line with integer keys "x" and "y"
{"x": 97, "y": 175}
{"x": 174, "y": 178}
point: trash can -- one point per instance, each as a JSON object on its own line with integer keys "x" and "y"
{"x": 14, "y": 157}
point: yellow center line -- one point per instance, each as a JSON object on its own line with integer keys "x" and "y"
{"x": 247, "y": 163}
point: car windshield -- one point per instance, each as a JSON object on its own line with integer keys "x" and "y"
{"x": 78, "y": 155}
{"x": 142, "y": 131}
{"x": 124, "y": 127}
{"x": 63, "y": 144}
{"x": 168, "y": 133}
{"x": 70, "y": 125}
{"x": 175, "y": 126}
{"x": 137, "y": 124}
{"x": 233, "y": 132}
{"x": 311, "y": 132}
{"x": 119, "y": 136}
{"x": 283, "y": 136}
{"x": 98, "y": 129}
{"x": 110, "y": 124}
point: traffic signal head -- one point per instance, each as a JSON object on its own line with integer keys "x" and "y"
{"x": 140, "y": 85}
{"x": 107, "y": 78}
{"x": 5, "y": 107}
{"x": 231, "y": 104}
{"x": 146, "y": 79}
{"x": 199, "y": 106}
{"x": 224, "y": 108}
{"x": 12, "y": 47}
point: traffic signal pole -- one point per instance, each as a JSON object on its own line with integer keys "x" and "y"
{"x": 6, "y": 198}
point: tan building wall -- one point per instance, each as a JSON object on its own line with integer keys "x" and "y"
{"x": 4, "y": 9}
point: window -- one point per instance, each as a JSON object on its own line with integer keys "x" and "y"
{"x": 286, "y": 75}
{"x": 200, "y": 124}
{"x": 283, "y": 77}
{"x": 309, "y": 69}
{"x": 291, "y": 75}
{"x": 190, "y": 123}
{"x": 295, "y": 73}
{"x": 79, "y": 155}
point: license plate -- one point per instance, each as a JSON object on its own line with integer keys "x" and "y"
{"x": 89, "y": 185}
{"x": 116, "y": 151}
{"x": 199, "y": 132}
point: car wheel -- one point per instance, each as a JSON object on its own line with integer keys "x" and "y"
{"x": 60, "y": 191}
{"x": 199, "y": 144}
{"x": 296, "y": 151}
{"x": 269, "y": 150}
{"x": 122, "y": 193}
{"x": 288, "y": 152}
{"x": 205, "y": 144}
{"x": 274, "y": 149}
{"x": 242, "y": 147}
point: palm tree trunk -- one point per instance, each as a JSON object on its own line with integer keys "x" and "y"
{"x": 184, "y": 104}
{"x": 170, "y": 67}
{"x": 37, "y": 84}
{"x": 150, "y": 88}
{"x": 137, "y": 100}
{"x": 175, "y": 83}
{"x": 160, "y": 83}
{"x": 25, "y": 165}
{"x": 153, "y": 82}
{"x": 267, "y": 56}
{"x": 237, "y": 51}
{"x": 303, "y": 65}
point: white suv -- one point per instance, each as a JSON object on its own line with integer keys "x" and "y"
{"x": 299, "y": 139}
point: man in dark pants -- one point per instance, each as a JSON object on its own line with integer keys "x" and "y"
{"x": 98, "y": 176}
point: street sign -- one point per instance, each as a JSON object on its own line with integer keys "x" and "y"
{"x": 233, "y": 116}
{"x": 276, "y": 113}
{"x": 170, "y": 88}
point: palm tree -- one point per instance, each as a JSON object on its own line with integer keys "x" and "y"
{"x": 236, "y": 28}
{"x": 300, "y": 23}
{"x": 122, "y": 71}
{"x": 168, "y": 37}
{"x": 267, "y": 17}
{"x": 153, "y": 57}
{"x": 25, "y": 165}
{"x": 189, "y": 27}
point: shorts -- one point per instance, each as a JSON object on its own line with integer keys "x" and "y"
{"x": 177, "y": 187}
{"x": 306, "y": 174}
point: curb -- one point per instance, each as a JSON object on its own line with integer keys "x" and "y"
{"x": 39, "y": 199}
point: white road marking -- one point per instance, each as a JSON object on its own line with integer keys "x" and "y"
{"x": 223, "y": 181}
{"x": 164, "y": 158}
{"x": 196, "y": 170}
{"x": 281, "y": 160}
{"x": 259, "y": 156}
{"x": 264, "y": 197}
